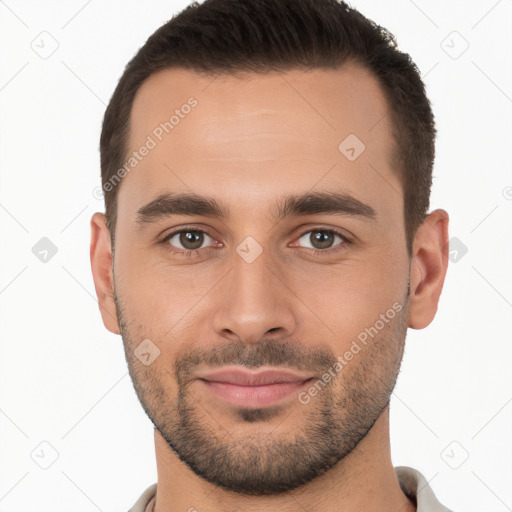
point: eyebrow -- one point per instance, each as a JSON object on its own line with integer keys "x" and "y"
{"x": 168, "y": 204}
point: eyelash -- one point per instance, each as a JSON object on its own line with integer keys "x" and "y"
{"x": 195, "y": 252}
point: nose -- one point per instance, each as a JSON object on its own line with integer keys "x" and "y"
{"x": 254, "y": 302}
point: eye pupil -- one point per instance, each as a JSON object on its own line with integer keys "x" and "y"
{"x": 194, "y": 238}
{"x": 324, "y": 239}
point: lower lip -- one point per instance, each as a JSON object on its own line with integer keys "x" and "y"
{"x": 254, "y": 396}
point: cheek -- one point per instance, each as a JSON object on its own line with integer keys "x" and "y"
{"x": 165, "y": 304}
{"x": 342, "y": 300}
{"x": 160, "y": 292}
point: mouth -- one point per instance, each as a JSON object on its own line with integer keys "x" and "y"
{"x": 244, "y": 388}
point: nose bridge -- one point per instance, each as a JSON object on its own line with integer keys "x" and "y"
{"x": 255, "y": 300}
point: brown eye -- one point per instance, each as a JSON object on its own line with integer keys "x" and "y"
{"x": 320, "y": 239}
{"x": 187, "y": 239}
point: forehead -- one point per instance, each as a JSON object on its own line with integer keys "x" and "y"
{"x": 262, "y": 134}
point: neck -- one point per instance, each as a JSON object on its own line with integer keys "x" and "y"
{"x": 364, "y": 480}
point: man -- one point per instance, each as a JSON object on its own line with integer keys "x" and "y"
{"x": 266, "y": 244}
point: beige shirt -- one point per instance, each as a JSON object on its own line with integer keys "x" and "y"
{"x": 412, "y": 482}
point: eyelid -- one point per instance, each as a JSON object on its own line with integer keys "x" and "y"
{"x": 165, "y": 239}
{"x": 337, "y": 231}
{"x": 343, "y": 233}
{"x": 346, "y": 241}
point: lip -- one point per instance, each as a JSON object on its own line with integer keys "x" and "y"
{"x": 250, "y": 389}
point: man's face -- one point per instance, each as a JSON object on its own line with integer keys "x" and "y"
{"x": 264, "y": 287}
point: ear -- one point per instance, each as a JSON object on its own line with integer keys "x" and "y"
{"x": 428, "y": 268}
{"x": 102, "y": 271}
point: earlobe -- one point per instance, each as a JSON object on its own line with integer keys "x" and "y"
{"x": 102, "y": 271}
{"x": 428, "y": 268}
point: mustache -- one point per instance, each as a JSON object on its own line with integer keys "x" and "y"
{"x": 287, "y": 354}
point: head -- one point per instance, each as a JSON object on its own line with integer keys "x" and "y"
{"x": 266, "y": 168}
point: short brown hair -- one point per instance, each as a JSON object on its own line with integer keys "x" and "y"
{"x": 230, "y": 36}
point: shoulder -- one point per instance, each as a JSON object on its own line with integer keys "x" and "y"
{"x": 415, "y": 485}
{"x": 144, "y": 499}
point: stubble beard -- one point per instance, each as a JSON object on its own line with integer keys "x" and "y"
{"x": 333, "y": 424}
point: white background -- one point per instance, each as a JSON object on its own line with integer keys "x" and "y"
{"x": 63, "y": 376}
